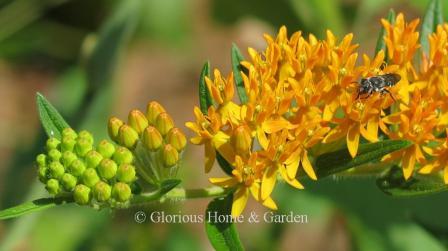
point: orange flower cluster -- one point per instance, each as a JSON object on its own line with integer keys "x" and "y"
{"x": 304, "y": 91}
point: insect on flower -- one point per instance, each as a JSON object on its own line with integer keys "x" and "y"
{"x": 378, "y": 83}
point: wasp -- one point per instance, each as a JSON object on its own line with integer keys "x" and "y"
{"x": 379, "y": 83}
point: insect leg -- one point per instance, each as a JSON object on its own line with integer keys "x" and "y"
{"x": 387, "y": 91}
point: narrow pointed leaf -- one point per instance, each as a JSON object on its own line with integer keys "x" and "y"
{"x": 393, "y": 183}
{"x": 225, "y": 166}
{"x": 222, "y": 235}
{"x": 237, "y": 57}
{"x": 50, "y": 118}
{"x": 338, "y": 161}
{"x": 168, "y": 185}
{"x": 32, "y": 206}
{"x": 381, "y": 44}
{"x": 205, "y": 100}
{"x": 433, "y": 17}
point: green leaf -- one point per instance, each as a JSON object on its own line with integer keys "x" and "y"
{"x": 50, "y": 118}
{"x": 380, "y": 43}
{"x": 168, "y": 185}
{"x": 205, "y": 101}
{"x": 32, "y": 206}
{"x": 341, "y": 160}
{"x": 225, "y": 166}
{"x": 222, "y": 235}
{"x": 433, "y": 17}
{"x": 237, "y": 57}
{"x": 393, "y": 183}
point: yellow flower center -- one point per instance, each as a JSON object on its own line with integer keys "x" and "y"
{"x": 416, "y": 129}
{"x": 359, "y": 106}
{"x": 342, "y": 71}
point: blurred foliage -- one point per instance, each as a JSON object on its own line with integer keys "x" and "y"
{"x": 52, "y": 33}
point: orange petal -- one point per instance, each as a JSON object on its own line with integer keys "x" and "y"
{"x": 307, "y": 166}
{"x": 353, "y": 139}
{"x": 239, "y": 201}
{"x": 210, "y": 156}
{"x": 408, "y": 163}
{"x": 268, "y": 182}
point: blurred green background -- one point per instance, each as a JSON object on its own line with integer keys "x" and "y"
{"x": 93, "y": 59}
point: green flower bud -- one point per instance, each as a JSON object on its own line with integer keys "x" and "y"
{"x": 106, "y": 149}
{"x": 53, "y": 186}
{"x": 68, "y": 143}
{"x": 153, "y": 109}
{"x": 127, "y": 136}
{"x": 101, "y": 191}
{"x": 90, "y": 177}
{"x": 107, "y": 169}
{"x": 121, "y": 192}
{"x": 69, "y": 133}
{"x": 43, "y": 174}
{"x": 86, "y": 135}
{"x": 152, "y": 139}
{"x": 52, "y": 143}
{"x": 41, "y": 160}
{"x": 56, "y": 170}
{"x": 54, "y": 155}
{"x": 137, "y": 120}
{"x": 123, "y": 156}
{"x": 83, "y": 146}
{"x": 164, "y": 123}
{"x": 126, "y": 173}
{"x": 77, "y": 167}
{"x": 177, "y": 139}
{"x": 81, "y": 194}
{"x": 68, "y": 158}
{"x": 170, "y": 156}
{"x": 113, "y": 128}
{"x": 68, "y": 181}
{"x": 93, "y": 159}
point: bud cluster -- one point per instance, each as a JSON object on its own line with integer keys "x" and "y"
{"x": 156, "y": 142}
{"x": 96, "y": 176}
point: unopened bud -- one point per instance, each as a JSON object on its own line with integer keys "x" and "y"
{"x": 53, "y": 186}
{"x": 68, "y": 143}
{"x": 43, "y": 174}
{"x": 68, "y": 182}
{"x": 68, "y": 158}
{"x": 52, "y": 143}
{"x": 83, "y": 146}
{"x": 102, "y": 191}
{"x": 170, "y": 156}
{"x": 93, "y": 159}
{"x": 152, "y": 139}
{"x": 127, "y": 136}
{"x": 56, "y": 170}
{"x": 90, "y": 177}
{"x": 41, "y": 160}
{"x": 81, "y": 194}
{"x": 177, "y": 139}
{"x": 69, "y": 132}
{"x": 77, "y": 167}
{"x": 243, "y": 140}
{"x": 153, "y": 109}
{"x": 126, "y": 173}
{"x": 121, "y": 192}
{"x": 137, "y": 121}
{"x": 164, "y": 123}
{"x": 107, "y": 169}
{"x": 113, "y": 128}
{"x": 106, "y": 149}
{"x": 123, "y": 156}
{"x": 54, "y": 155}
{"x": 86, "y": 135}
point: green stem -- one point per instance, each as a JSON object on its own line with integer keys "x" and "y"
{"x": 180, "y": 194}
